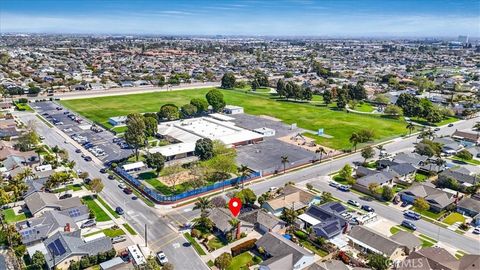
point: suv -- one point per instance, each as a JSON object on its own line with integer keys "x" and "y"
{"x": 344, "y": 188}
{"x": 353, "y": 202}
{"x": 162, "y": 258}
{"x": 409, "y": 225}
{"x": 89, "y": 223}
{"x": 367, "y": 208}
{"x": 119, "y": 210}
{"x": 412, "y": 215}
{"x": 118, "y": 239}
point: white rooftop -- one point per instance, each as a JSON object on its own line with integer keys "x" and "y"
{"x": 221, "y": 117}
{"x": 191, "y": 130}
{"x": 173, "y": 149}
{"x": 133, "y": 166}
{"x": 309, "y": 219}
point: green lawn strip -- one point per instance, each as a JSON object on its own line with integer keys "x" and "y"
{"x": 364, "y": 107}
{"x": 100, "y": 215}
{"x": 460, "y": 231}
{"x": 425, "y": 237}
{"x": 429, "y": 214}
{"x": 395, "y": 230}
{"x": 109, "y": 209}
{"x": 314, "y": 249}
{"x": 420, "y": 177}
{"x": 194, "y": 243}
{"x": 426, "y": 243}
{"x": 74, "y": 187}
{"x": 23, "y": 107}
{"x": 210, "y": 263}
{"x": 338, "y": 124}
{"x": 129, "y": 229}
{"x": 240, "y": 261}
{"x": 471, "y": 161}
{"x": 11, "y": 217}
{"x": 441, "y": 123}
{"x": 44, "y": 121}
{"x": 453, "y": 218}
{"x": 108, "y": 232}
{"x": 459, "y": 254}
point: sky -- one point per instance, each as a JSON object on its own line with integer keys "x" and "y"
{"x": 327, "y": 18}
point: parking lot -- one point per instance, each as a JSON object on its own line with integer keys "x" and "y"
{"x": 266, "y": 156}
{"x": 99, "y": 142}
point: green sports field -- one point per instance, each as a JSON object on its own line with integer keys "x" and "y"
{"x": 338, "y": 124}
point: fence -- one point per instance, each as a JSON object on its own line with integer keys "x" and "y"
{"x": 162, "y": 199}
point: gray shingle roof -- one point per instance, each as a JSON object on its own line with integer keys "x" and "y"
{"x": 261, "y": 217}
{"x": 39, "y": 200}
{"x": 374, "y": 240}
{"x": 278, "y": 246}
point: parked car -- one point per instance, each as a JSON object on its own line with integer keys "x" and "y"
{"x": 119, "y": 210}
{"x": 333, "y": 184}
{"x": 127, "y": 190}
{"x": 404, "y": 204}
{"x": 65, "y": 196}
{"x": 367, "y": 208}
{"x": 273, "y": 189}
{"x": 122, "y": 186}
{"x": 88, "y": 158}
{"x": 78, "y": 150}
{"x": 118, "y": 239}
{"x": 103, "y": 170}
{"x": 409, "y": 224}
{"x": 412, "y": 215}
{"x": 89, "y": 223}
{"x": 162, "y": 258}
{"x": 343, "y": 188}
{"x": 450, "y": 125}
{"x": 353, "y": 202}
{"x": 111, "y": 177}
{"x": 476, "y": 230}
{"x": 436, "y": 129}
{"x": 42, "y": 138}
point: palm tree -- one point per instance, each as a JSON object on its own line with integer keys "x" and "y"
{"x": 320, "y": 151}
{"x": 355, "y": 139}
{"x": 203, "y": 204}
{"x": 235, "y": 226}
{"x": 26, "y": 173}
{"x": 244, "y": 173}
{"x": 56, "y": 150}
{"x": 284, "y": 162}
{"x": 410, "y": 126}
{"x": 38, "y": 151}
{"x": 18, "y": 187}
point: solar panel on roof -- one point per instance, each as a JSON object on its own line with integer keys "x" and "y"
{"x": 56, "y": 247}
{"x": 337, "y": 207}
{"x": 330, "y": 228}
{"x": 74, "y": 213}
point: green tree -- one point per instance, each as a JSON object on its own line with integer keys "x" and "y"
{"x": 228, "y": 80}
{"x": 27, "y": 141}
{"x": 367, "y": 153}
{"x": 168, "y": 266}
{"x": 421, "y": 204}
{"x": 200, "y": 104}
{"x": 169, "y": 112}
{"x": 151, "y": 126}
{"x": 321, "y": 151}
{"x": 188, "y": 110}
{"x": 156, "y": 161}
{"x": 96, "y": 185}
{"x": 223, "y": 261}
{"x": 346, "y": 172}
{"x": 4, "y": 197}
{"x": 410, "y": 126}
{"x": 464, "y": 154}
{"x": 244, "y": 173}
{"x": 215, "y": 99}
{"x": 354, "y": 140}
{"x": 204, "y": 149}
{"x": 387, "y": 193}
{"x": 307, "y": 94}
{"x": 289, "y": 215}
{"x": 281, "y": 87}
{"x": 327, "y": 97}
{"x": 378, "y": 261}
{"x": 247, "y": 196}
{"x": 393, "y": 110}
{"x": 135, "y": 133}
{"x": 38, "y": 260}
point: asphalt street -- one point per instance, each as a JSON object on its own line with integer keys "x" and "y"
{"x": 162, "y": 233}
{"x": 313, "y": 174}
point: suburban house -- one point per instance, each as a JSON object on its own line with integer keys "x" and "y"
{"x": 221, "y": 218}
{"x": 462, "y": 177}
{"x": 470, "y": 207}
{"x": 40, "y": 202}
{"x": 38, "y": 229}
{"x": 326, "y": 219}
{"x": 437, "y": 258}
{"x": 436, "y": 198}
{"x": 292, "y": 198}
{"x": 64, "y": 247}
{"x": 381, "y": 178}
{"x": 411, "y": 158}
{"x": 283, "y": 253}
{"x": 369, "y": 241}
{"x": 404, "y": 172}
{"x": 449, "y": 145}
{"x": 263, "y": 221}
{"x": 328, "y": 265}
{"x": 466, "y": 138}
{"x": 408, "y": 240}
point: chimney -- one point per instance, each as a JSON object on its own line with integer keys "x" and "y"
{"x": 67, "y": 227}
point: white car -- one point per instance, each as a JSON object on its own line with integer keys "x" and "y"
{"x": 272, "y": 189}
{"x": 353, "y": 202}
{"x": 476, "y": 230}
{"x": 162, "y": 258}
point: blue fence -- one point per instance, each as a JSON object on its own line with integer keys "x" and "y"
{"x": 162, "y": 199}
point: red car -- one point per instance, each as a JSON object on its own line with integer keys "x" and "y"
{"x": 128, "y": 191}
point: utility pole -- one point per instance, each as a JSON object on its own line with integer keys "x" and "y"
{"x": 146, "y": 240}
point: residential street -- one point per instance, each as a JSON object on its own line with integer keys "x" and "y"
{"x": 161, "y": 232}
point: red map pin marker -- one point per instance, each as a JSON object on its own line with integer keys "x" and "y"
{"x": 235, "y": 204}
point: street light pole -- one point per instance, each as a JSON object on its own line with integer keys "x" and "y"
{"x": 146, "y": 242}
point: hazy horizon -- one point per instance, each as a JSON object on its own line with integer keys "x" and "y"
{"x": 250, "y": 18}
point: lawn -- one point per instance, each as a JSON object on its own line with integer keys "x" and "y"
{"x": 110, "y": 210}
{"x": 23, "y": 107}
{"x": 338, "y": 124}
{"x": 395, "y": 229}
{"x": 151, "y": 178}
{"x": 453, "y": 218}
{"x": 215, "y": 243}
{"x": 129, "y": 229}
{"x": 108, "y": 232}
{"x": 364, "y": 107}
{"x": 75, "y": 187}
{"x": 420, "y": 177}
{"x": 240, "y": 261}
{"x": 429, "y": 214}
{"x": 100, "y": 215}
{"x": 471, "y": 161}
{"x": 439, "y": 124}
{"x": 11, "y": 217}
{"x": 313, "y": 248}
